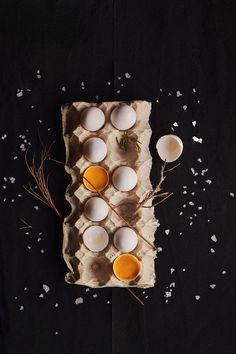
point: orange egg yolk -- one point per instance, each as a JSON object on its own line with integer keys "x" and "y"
{"x": 98, "y": 177}
{"x": 126, "y": 267}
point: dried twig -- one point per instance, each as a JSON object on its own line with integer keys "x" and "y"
{"x": 38, "y": 175}
{"x": 25, "y": 223}
{"x": 156, "y": 192}
{"x": 127, "y": 140}
{"x": 135, "y": 296}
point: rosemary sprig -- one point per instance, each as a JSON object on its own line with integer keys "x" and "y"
{"x": 128, "y": 140}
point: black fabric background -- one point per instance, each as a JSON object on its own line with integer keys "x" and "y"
{"x": 165, "y": 46}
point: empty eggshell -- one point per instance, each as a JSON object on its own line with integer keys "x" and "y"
{"x": 95, "y": 238}
{"x": 96, "y": 209}
{"x": 92, "y": 119}
{"x": 124, "y": 178}
{"x": 123, "y": 117}
{"x": 94, "y": 149}
{"x": 125, "y": 239}
{"x": 169, "y": 147}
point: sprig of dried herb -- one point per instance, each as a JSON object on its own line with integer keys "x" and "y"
{"x": 150, "y": 195}
{"x": 128, "y": 140}
{"x": 38, "y": 174}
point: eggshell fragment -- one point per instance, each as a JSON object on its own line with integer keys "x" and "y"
{"x": 169, "y": 147}
{"x": 96, "y": 209}
{"x": 92, "y": 119}
{"x": 123, "y": 117}
{"x": 124, "y": 178}
{"x": 125, "y": 239}
{"x": 94, "y": 149}
{"x": 95, "y": 238}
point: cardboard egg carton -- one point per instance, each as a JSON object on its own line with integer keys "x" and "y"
{"x": 95, "y": 269}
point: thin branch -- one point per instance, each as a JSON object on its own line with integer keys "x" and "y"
{"x": 135, "y": 296}
{"x": 156, "y": 191}
{"x": 169, "y": 195}
{"x": 121, "y": 217}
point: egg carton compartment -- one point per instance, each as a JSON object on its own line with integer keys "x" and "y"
{"x": 94, "y": 269}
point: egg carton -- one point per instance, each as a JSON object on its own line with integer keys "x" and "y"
{"x": 95, "y": 269}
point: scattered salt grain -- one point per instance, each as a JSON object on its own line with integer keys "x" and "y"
{"x": 212, "y": 286}
{"x": 231, "y": 194}
{"x": 63, "y": 88}
{"x": 36, "y": 207}
{"x": 197, "y": 140}
{"x": 21, "y": 308}
{"x": 12, "y": 179}
{"x": 127, "y": 75}
{"x": 108, "y": 302}
{"x": 159, "y": 249}
{"x": 79, "y": 300}
{"x": 172, "y": 270}
{"x": 167, "y": 231}
{"x": 108, "y": 83}
{"x": 46, "y": 288}
{"x": 179, "y": 94}
{"x": 214, "y": 238}
{"x": 194, "y": 90}
{"x": 212, "y": 250}
{"x": 4, "y": 136}
{"x": 194, "y": 123}
{"x": 208, "y": 181}
{"x": 41, "y": 296}
{"x": 199, "y": 160}
{"x": 19, "y": 93}
{"x": 175, "y": 124}
{"x": 191, "y": 203}
{"x": 87, "y": 289}
{"x": 185, "y": 107}
{"x": 56, "y": 304}
{"x": 197, "y": 297}
{"x": 95, "y": 295}
{"x": 224, "y": 272}
{"x": 118, "y": 91}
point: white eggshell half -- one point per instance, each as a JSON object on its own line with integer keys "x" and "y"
{"x": 94, "y": 149}
{"x": 95, "y": 209}
{"x": 169, "y": 147}
{"x": 95, "y": 238}
{"x": 124, "y": 178}
{"x": 92, "y": 119}
{"x": 123, "y": 117}
{"x": 125, "y": 239}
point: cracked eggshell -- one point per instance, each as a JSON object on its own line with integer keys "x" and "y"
{"x": 125, "y": 239}
{"x": 124, "y": 178}
{"x": 95, "y": 238}
{"x": 169, "y": 147}
{"x": 94, "y": 149}
{"x": 96, "y": 209}
{"x": 92, "y": 119}
{"x": 123, "y": 117}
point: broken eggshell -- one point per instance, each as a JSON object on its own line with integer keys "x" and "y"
{"x": 169, "y": 147}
